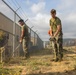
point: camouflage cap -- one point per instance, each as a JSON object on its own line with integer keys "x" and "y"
{"x": 53, "y": 11}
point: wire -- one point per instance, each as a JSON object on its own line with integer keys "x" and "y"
{"x": 23, "y": 13}
{"x": 15, "y": 3}
{"x": 22, "y": 9}
{"x": 8, "y": 2}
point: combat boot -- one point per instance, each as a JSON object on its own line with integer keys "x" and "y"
{"x": 61, "y": 57}
{"x": 57, "y": 59}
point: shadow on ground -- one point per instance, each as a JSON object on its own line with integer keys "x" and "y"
{"x": 69, "y": 51}
{"x": 73, "y": 72}
{"x": 41, "y": 52}
{"x": 49, "y": 52}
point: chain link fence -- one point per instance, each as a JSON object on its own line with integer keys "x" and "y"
{"x": 9, "y": 25}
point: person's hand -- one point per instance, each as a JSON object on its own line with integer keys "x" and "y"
{"x": 52, "y": 37}
{"x": 20, "y": 40}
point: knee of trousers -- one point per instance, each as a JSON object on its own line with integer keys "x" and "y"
{"x": 25, "y": 49}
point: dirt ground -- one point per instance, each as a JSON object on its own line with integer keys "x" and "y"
{"x": 40, "y": 63}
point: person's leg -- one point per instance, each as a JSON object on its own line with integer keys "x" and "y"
{"x": 60, "y": 51}
{"x": 54, "y": 45}
{"x": 24, "y": 47}
{"x": 60, "y": 48}
{"x": 27, "y": 54}
{"x": 56, "y": 52}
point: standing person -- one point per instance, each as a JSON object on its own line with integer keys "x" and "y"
{"x": 24, "y": 37}
{"x": 56, "y": 35}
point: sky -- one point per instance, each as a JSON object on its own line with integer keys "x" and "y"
{"x": 38, "y": 14}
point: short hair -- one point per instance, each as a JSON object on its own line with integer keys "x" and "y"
{"x": 21, "y": 20}
{"x": 53, "y": 11}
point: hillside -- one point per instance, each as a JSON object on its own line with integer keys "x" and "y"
{"x": 69, "y": 42}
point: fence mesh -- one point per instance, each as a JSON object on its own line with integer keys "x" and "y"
{"x": 9, "y": 25}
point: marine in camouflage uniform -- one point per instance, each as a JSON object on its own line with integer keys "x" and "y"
{"x": 56, "y": 36}
{"x": 24, "y": 38}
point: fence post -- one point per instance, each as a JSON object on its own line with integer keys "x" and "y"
{"x": 14, "y": 32}
{"x": 0, "y": 56}
{"x": 1, "y": 51}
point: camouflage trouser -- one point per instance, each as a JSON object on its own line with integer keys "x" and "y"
{"x": 57, "y": 47}
{"x": 25, "y": 47}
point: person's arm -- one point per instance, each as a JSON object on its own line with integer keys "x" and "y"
{"x": 22, "y": 34}
{"x": 58, "y": 30}
{"x": 50, "y": 28}
{"x": 51, "y": 31}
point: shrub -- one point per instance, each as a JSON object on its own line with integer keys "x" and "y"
{"x": 2, "y": 38}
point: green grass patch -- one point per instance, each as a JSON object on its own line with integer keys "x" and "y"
{"x": 6, "y": 71}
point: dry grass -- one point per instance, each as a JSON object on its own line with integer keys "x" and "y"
{"x": 39, "y": 64}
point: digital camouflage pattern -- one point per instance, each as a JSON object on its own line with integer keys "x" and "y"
{"x": 58, "y": 40}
